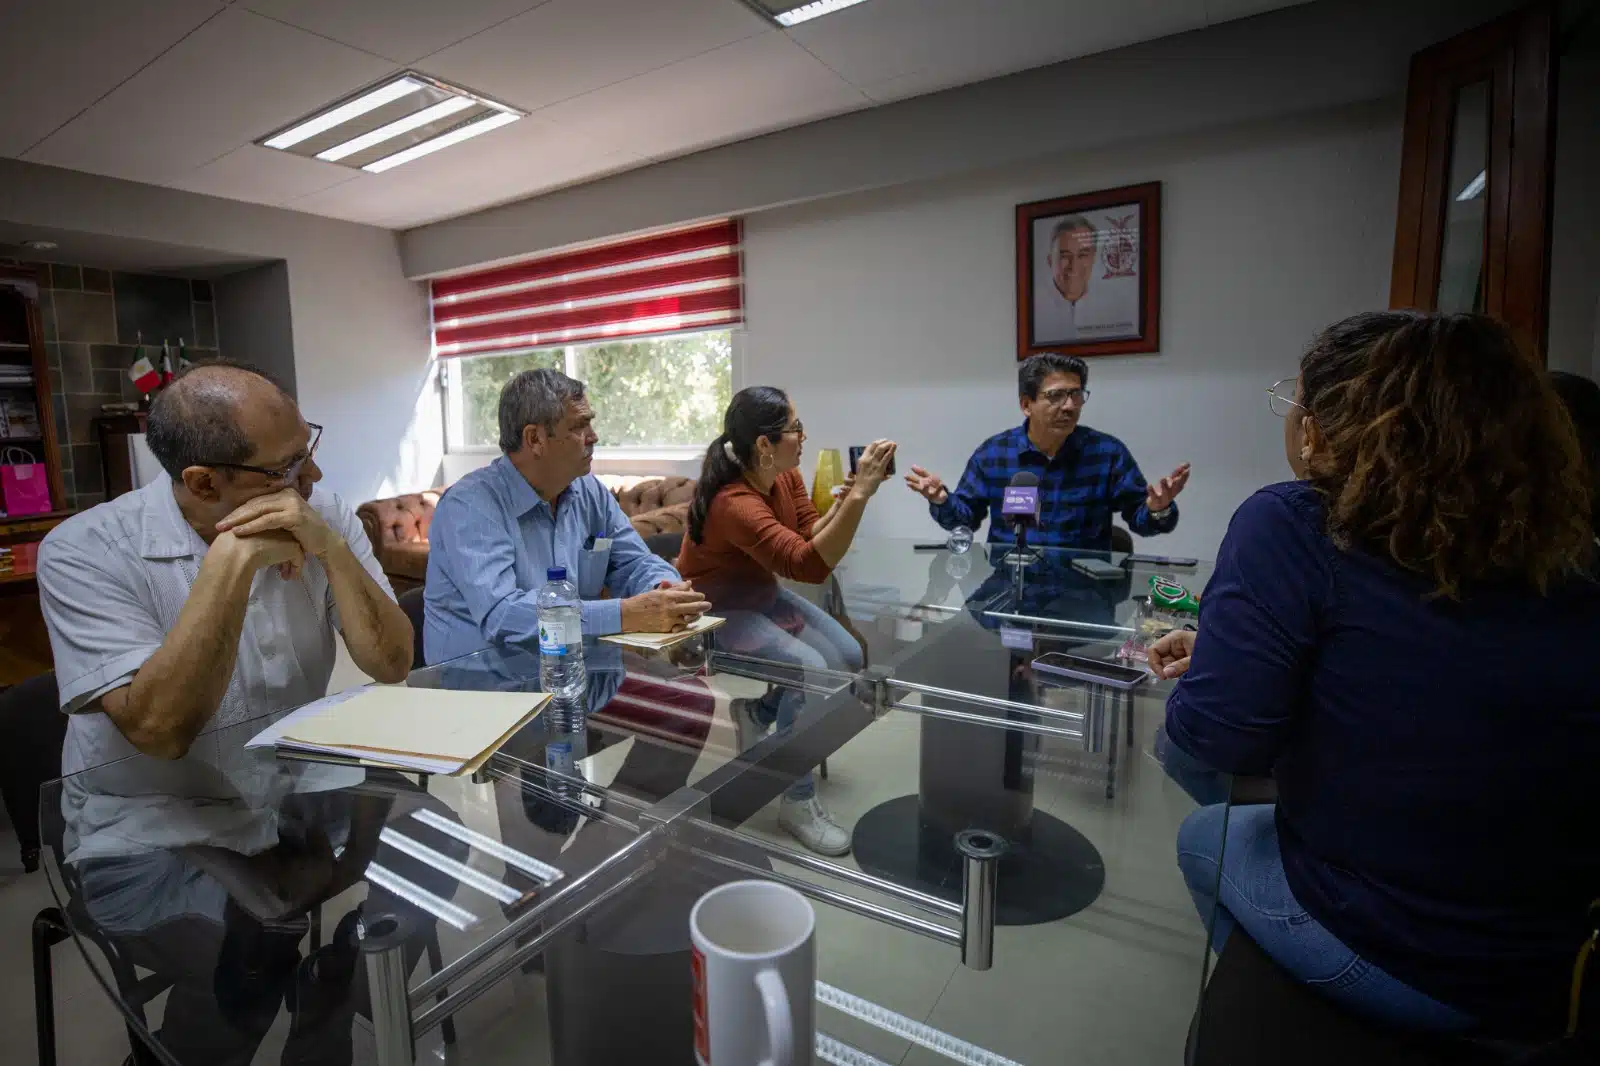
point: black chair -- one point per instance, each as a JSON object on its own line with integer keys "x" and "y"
{"x": 33, "y": 727}
{"x": 666, "y": 545}
{"x": 411, "y": 604}
{"x": 1121, "y": 539}
{"x": 1255, "y": 1014}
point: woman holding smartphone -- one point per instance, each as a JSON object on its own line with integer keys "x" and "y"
{"x": 750, "y": 524}
{"x": 1398, "y": 638}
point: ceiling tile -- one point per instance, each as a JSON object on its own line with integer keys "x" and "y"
{"x": 1227, "y": 10}
{"x": 401, "y": 30}
{"x": 952, "y": 42}
{"x": 236, "y": 78}
{"x": 63, "y": 55}
{"x": 263, "y": 176}
{"x": 742, "y": 90}
{"x": 564, "y": 48}
{"x": 522, "y": 159}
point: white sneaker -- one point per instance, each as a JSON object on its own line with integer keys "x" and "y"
{"x": 807, "y": 822}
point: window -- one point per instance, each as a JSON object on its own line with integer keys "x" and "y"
{"x": 664, "y": 392}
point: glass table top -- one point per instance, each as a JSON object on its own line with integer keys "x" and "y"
{"x": 540, "y": 914}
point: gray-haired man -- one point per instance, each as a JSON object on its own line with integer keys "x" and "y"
{"x": 497, "y": 531}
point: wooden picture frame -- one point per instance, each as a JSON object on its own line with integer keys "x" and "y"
{"x": 1089, "y": 273}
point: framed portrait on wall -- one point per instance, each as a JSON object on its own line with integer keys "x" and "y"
{"x": 1089, "y": 273}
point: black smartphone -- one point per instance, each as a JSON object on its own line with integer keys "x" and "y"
{"x": 1094, "y": 671}
{"x": 855, "y": 458}
{"x": 1140, "y": 558}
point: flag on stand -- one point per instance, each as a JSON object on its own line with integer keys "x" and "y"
{"x": 145, "y": 377}
{"x": 166, "y": 365}
{"x": 183, "y": 359}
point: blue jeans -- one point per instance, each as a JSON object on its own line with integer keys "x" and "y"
{"x": 1254, "y": 893}
{"x": 821, "y": 644}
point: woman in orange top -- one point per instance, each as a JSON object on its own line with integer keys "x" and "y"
{"x": 751, "y": 523}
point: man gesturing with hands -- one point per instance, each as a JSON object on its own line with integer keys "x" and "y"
{"x": 213, "y": 596}
{"x": 1085, "y": 476}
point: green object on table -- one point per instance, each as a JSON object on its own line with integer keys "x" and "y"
{"x": 1167, "y": 593}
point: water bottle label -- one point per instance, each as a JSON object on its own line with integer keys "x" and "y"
{"x": 553, "y": 637}
{"x": 558, "y": 758}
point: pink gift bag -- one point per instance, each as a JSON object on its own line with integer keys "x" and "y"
{"x": 24, "y": 488}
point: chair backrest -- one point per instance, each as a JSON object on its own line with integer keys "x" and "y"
{"x": 33, "y": 728}
{"x": 666, "y": 545}
{"x": 411, "y": 604}
{"x": 1121, "y": 539}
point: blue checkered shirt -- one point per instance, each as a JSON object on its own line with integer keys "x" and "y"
{"x": 1092, "y": 476}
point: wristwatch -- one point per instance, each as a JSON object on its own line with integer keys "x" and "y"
{"x": 1161, "y": 514}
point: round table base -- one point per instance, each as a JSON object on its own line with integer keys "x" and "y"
{"x": 1053, "y": 874}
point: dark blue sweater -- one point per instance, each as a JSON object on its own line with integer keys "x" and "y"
{"x": 1436, "y": 761}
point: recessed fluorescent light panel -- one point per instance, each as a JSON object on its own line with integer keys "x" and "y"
{"x": 404, "y": 118}
{"x": 789, "y": 13}
{"x": 1474, "y": 188}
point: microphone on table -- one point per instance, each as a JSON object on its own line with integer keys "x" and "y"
{"x": 1019, "y": 507}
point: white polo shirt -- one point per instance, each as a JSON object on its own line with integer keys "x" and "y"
{"x": 111, "y": 583}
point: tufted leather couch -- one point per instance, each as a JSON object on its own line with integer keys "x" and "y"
{"x": 398, "y": 526}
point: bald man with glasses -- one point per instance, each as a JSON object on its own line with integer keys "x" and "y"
{"x": 215, "y": 595}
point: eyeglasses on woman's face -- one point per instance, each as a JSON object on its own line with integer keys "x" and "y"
{"x": 1281, "y": 397}
{"x": 797, "y": 427}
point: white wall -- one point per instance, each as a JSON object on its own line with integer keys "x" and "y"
{"x": 892, "y": 313}
{"x": 360, "y": 327}
{"x": 255, "y": 321}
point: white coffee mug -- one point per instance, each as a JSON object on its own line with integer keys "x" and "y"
{"x": 755, "y": 970}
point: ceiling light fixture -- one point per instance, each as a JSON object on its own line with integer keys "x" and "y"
{"x": 787, "y": 13}
{"x": 367, "y": 101}
{"x": 396, "y": 128}
{"x": 405, "y": 117}
{"x": 1474, "y": 187}
{"x": 41, "y": 246}
{"x": 444, "y": 140}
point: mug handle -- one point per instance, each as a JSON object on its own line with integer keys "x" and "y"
{"x": 780, "y": 1028}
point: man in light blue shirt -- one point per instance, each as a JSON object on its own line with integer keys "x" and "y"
{"x": 497, "y": 531}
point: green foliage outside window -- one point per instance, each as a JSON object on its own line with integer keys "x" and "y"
{"x": 666, "y": 391}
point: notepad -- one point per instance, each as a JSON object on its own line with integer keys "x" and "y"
{"x": 657, "y": 641}
{"x": 440, "y": 731}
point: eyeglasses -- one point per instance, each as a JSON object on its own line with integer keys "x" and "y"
{"x": 1063, "y": 397}
{"x": 1281, "y": 397}
{"x": 799, "y": 428}
{"x": 289, "y": 474}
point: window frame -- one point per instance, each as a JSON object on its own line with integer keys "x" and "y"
{"x": 453, "y": 400}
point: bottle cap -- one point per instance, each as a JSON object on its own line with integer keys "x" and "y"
{"x": 556, "y": 573}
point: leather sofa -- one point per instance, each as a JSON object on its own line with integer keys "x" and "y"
{"x": 398, "y": 526}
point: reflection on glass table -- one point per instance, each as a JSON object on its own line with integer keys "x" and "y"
{"x": 262, "y": 908}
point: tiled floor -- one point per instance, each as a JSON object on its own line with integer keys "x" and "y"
{"x": 1114, "y": 984}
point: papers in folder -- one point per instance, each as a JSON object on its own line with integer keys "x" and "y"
{"x": 435, "y": 731}
{"x": 657, "y": 641}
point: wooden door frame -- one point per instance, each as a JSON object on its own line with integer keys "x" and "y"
{"x": 1516, "y": 55}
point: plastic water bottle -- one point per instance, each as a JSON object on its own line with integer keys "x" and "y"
{"x": 561, "y": 670}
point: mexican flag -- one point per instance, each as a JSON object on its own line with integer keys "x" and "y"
{"x": 145, "y": 377}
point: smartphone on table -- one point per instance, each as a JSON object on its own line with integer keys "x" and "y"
{"x": 1059, "y": 664}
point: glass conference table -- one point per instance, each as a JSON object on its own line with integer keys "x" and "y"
{"x": 1012, "y": 893}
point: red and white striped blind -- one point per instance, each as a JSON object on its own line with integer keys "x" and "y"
{"x": 641, "y": 287}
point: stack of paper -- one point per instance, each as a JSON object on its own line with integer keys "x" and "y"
{"x": 435, "y": 731}
{"x": 657, "y": 641}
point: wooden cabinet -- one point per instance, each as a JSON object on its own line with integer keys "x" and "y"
{"x": 29, "y": 430}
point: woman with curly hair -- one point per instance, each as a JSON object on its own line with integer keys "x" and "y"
{"x": 1397, "y": 638}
